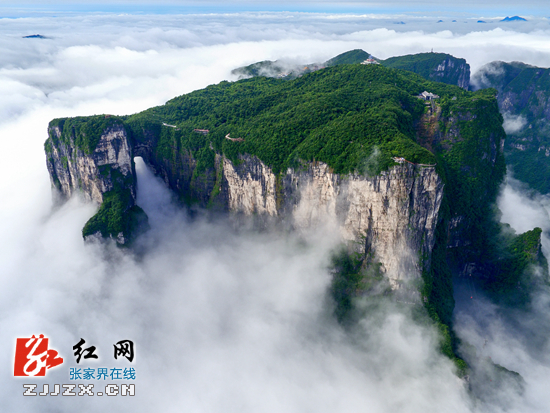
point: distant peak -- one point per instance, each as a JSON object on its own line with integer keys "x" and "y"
{"x": 514, "y": 19}
{"x": 34, "y": 36}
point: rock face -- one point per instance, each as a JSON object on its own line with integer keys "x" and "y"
{"x": 439, "y": 67}
{"x": 105, "y": 176}
{"x": 72, "y": 170}
{"x": 250, "y": 188}
{"x": 391, "y": 216}
{"x": 452, "y": 68}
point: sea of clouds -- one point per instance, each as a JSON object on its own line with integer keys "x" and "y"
{"x": 224, "y": 320}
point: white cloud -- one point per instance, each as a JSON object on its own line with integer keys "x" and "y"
{"x": 513, "y": 124}
{"x": 524, "y": 209}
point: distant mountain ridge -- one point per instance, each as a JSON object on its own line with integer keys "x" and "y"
{"x": 440, "y": 67}
{"x": 35, "y": 36}
{"x": 291, "y": 70}
{"x": 514, "y": 19}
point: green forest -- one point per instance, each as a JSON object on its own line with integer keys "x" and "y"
{"x": 336, "y": 115}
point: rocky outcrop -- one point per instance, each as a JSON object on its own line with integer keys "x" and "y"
{"x": 72, "y": 170}
{"x": 104, "y": 175}
{"x": 390, "y": 218}
{"x": 250, "y": 187}
{"x": 454, "y": 69}
{"x": 524, "y": 99}
{"x": 439, "y": 67}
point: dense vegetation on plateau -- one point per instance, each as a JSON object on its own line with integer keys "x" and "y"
{"x": 84, "y": 131}
{"x": 336, "y": 115}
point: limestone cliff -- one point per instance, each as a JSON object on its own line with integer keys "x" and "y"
{"x": 72, "y": 169}
{"x": 391, "y": 216}
{"x": 440, "y": 67}
{"x": 394, "y": 215}
{"x": 104, "y": 175}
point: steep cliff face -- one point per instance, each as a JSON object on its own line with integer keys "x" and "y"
{"x": 71, "y": 169}
{"x": 474, "y": 164}
{"x": 389, "y": 216}
{"x": 439, "y": 67}
{"x": 392, "y": 217}
{"x": 250, "y": 187}
{"x": 104, "y": 174}
{"x": 524, "y": 99}
{"x": 452, "y": 68}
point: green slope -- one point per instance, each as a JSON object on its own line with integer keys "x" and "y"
{"x": 351, "y": 57}
{"x": 335, "y": 115}
{"x": 288, "y": 71}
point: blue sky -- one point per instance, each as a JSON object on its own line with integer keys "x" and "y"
{"x": 437, "y": 7}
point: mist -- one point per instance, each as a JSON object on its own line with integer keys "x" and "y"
{"x": 224, "y": 319}
{"x": 513, "y": 124}
{"x": 516, "y": 338}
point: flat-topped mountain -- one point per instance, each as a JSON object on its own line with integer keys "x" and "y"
{"x": 407, "y": 169}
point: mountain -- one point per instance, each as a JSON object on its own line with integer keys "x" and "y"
{"x": 268, "y": 68}
{"x": 351, "y": 57}
{"x": 35, "y": 36}
{"x": 514, "y": 19}
{"x": 524, "y": 99}
{"x": 409, "y": 182}
{"x": 291, "y": 70}
{"x": 440, "y": 67}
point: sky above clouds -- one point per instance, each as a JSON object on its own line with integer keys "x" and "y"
{"x": 237, "y": 322}
{"x": 465, "y": 7}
